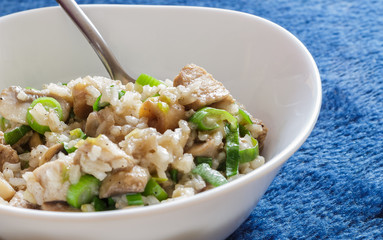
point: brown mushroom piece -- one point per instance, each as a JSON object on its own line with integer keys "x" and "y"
{"x": 48, "y": 155}
{"x": 34, "y": 140}
{"x": 209, "y": 91}
{"x": 7, "y": 154}
{"x": 124, "y": 180}
{"x": 15, "y": 101}
{"x": 80, "y": 107}
{"x": 261, "y": 137}
{"x": 58, "y": 206}
{"x": 161, "y": 114}
{"x": 205, "y": 149}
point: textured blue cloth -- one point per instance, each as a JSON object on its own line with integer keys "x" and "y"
{"x": 332, "y": 187}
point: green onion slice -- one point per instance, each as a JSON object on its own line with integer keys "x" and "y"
{"x": 77, "y": 133}
{"x": 97, "y": 106}
{"x": 174, "y": 175}
{"x": 244, "y": 117}
{"x": 199, "y": 160}
{"x": 145, "y": 79}
{"x": 232, "y": 151}
{"x": 243, "y": 131}
{"x": 111, "y": 203}
{"x": 208, "y": 118}
{"x": 210, "y": 175}
{"x": 16, "y": 134}
{"x": 4, "y": 124}
{"x": 48, "y": 103}
{"x": 121, "y": 94}
{"x": 153, "y": 188}
{"x": 84, "y": 191}
{"x": 134, "y": 199}
{"x": 249, "y": 154}
{"x": 99, "y": 204}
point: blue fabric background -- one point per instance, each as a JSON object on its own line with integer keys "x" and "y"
{"x": 332, "y": 187}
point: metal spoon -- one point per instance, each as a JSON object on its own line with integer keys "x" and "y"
{"x": 96, "y": 41}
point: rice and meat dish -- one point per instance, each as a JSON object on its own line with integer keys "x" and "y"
{"x": 94, "y": 144}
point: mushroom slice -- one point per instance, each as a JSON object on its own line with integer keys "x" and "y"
{"x": 58, "y": 206}
{"x": 35, "y": 140}
{"x": 161, "y": 114}
{"x": 50, "y": 152}
{"x": 6, "y": 190}
{"x": 15, "y": 101}
{"x": 125, "y": 180}
{"x": 80, "y": 107}
{"x": 205, "y": 149}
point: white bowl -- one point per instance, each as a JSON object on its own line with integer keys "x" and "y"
{"x": 265, "y": 67}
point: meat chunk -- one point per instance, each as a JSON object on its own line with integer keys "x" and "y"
{"x": 161, "y": 115}
{"x": 80, "y": 107}
{"x": 51, "y": 177}
{"x": 208, "y": 91}
{"x": 14, "y": 103}
{"x": 126, "y": 180}
{"x": 7, "y": 154}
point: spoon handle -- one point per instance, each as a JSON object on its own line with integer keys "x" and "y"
{"x": 96, "y": 41}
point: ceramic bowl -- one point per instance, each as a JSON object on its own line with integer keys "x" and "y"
{"x": 264, "y": 66}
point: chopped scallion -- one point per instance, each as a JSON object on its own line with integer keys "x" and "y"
{"x": 97, "y": 106}
{"x": 134, "y": 199}
{"x": 199, "y": 160}
{"x": 208, "y": 118}
{"x": 145, "y": 79}
{"x": 83, "y": 191}
{"x": 153, "y": 188}
{"x": 210, "y": 175}
{"x": 232, "y": 151}
{"x": 16, "y": 134}
{"x": 48, "y": 103}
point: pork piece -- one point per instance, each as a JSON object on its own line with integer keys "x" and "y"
{"x": 50, "y": 175}
{"x": 205, "y": 149}
{"x": 58, "y": 206}
{"x": 7, "y": 154}
{"x": 14, "y": 103}
{"x": 98, "y": 156}
{"x": 161, "y": 115}
{"x": 125, "y": 180}
{"x": 48, "y": 182}
{"x": 80, "y": 107}
{"x": 208, "y": 91}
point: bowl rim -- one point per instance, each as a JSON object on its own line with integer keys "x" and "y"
{"x": 271, "y": 164}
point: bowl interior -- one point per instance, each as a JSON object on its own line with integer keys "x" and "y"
{"x": 264, "y": 66}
